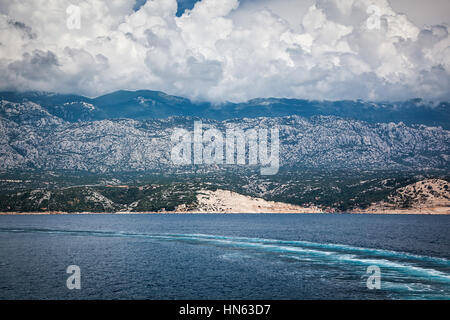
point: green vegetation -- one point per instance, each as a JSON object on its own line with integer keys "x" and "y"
{"x": 153, "y": 192}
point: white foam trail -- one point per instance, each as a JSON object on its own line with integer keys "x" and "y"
{"x": 371, "y": 251}
{"x": 349, "y": 258}
{"x": 302, "y": 248}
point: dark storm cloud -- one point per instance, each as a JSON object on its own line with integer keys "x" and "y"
{"x": 23, "y": 27}
{"x": 36, "y": 66}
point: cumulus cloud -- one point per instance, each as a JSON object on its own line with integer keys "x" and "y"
{"x": 223, "y": 50}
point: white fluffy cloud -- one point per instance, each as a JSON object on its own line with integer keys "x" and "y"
{"x": 221, "y": 51}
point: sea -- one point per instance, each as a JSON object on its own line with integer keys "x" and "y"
{"x": 224, "y": 256}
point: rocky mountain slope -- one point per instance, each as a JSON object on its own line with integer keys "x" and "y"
{"x": 32, "y": 138}
{"x": 71, "y": 153}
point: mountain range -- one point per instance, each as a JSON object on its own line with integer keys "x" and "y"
{"x": 146, "y": 105}
{"x": 336, "y": 155}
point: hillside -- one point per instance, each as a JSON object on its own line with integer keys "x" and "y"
{"x": 426, "y": 196}
{"x": 73, "y": 154}
{"x": 224, "y": 201}
{"x": 429, "y": 196}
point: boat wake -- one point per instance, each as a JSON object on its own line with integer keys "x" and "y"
{"x": 402, "y": 272}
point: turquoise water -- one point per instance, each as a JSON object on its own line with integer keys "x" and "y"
{"x": 225, "y": 256}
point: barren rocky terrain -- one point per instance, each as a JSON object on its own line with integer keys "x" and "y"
{"x": 66, "y": 153}
{"x": 427, "y": 196}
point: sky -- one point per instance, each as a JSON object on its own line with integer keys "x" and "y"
{"x": 229, "y": 50}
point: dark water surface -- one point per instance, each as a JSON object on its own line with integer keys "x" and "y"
{"x": 225, "y": 256}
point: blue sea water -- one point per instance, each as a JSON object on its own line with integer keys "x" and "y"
{"x": 261, "y": 256}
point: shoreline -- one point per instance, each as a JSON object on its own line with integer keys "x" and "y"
{"x": 358, "y": 212}
{"x": 220, "y": 201}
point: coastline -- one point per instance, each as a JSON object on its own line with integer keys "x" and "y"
{"x": 426, "y": 197}
{"x": 229, "y": 202}
{"x": 443, "y": 212}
